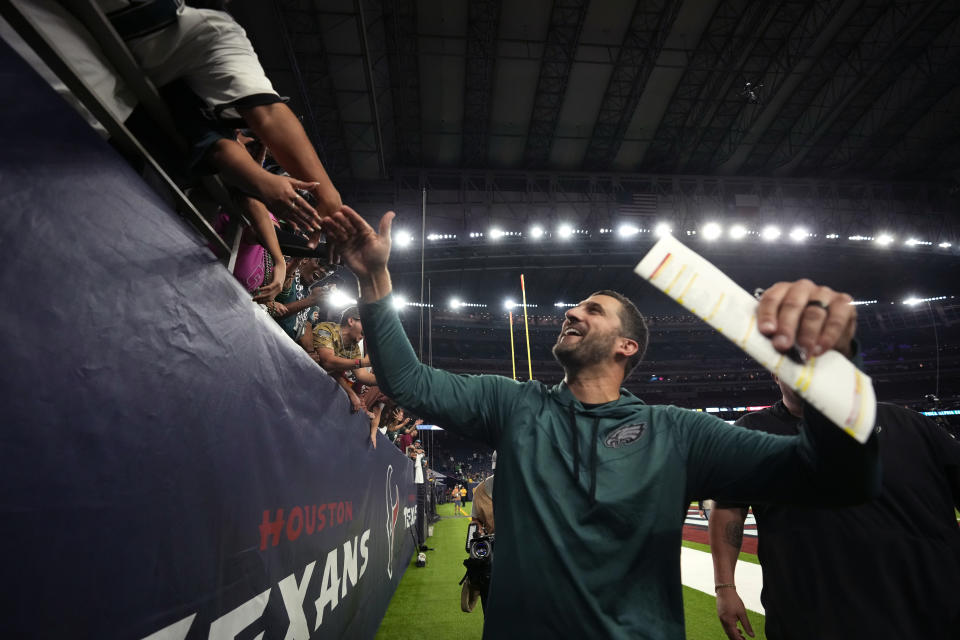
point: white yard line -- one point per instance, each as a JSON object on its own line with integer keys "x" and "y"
{"x": 696, "y": 570}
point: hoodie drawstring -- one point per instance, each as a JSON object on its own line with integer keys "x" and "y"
{"x": 593, "y": 463}
{"x": 576, "y": 445}
{"x": 594, "y": 453}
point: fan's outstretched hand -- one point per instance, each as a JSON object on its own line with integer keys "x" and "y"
{"x": 364, "y": 250}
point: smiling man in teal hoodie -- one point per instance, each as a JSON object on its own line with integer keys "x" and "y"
{"x": 593, "y": 484}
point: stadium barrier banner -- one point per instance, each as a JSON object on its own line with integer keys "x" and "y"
{"x": 172, "y": 465}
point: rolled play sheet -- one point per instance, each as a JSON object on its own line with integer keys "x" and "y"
{"x": 831, "y": 383}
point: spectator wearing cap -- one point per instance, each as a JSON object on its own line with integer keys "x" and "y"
{"x": 336, "y": 348}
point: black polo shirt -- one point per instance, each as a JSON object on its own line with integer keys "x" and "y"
{"x": 886, "y": 569}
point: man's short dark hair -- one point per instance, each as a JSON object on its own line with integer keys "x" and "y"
{"x": 349, "y": 312}
{"x": 633, "y": 324}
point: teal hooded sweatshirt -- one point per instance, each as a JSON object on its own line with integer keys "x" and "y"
{"x": 590, "y": 501}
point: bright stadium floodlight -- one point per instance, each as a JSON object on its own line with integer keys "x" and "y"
{"x": 399, "y": 302}
{"x": 627, "y": 230}
{"x": 662, "y": 229}
{"x": 536, "y": 232}
{"x": 565, "y": 231}
{"x": 403, "y": 239}
{"x": 455, "y": 303}
{"x": 944, "y": 245}
{"x": 913, "y": 300}
{"x": 884, "y": 239}
{"x": 799, "y": 234}
{"x": 509, "y": 304}
{"x": 340, "y": 300}
{"x": 738, "y": 231}
{"x": 770, "y": 233}
{"x": 496, "y": 234}
{"x": 712, "y": 231}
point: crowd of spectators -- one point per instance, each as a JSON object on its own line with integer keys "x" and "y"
{"x": 232, "y": 124}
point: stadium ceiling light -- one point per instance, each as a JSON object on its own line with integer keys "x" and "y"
{"x": 403, "y": 239}
{"x": 496, "y": 234}
{"x": 914, "y": 300}
{"x": 662, "y": 229}
{"x": 509, "y": 305}
{"x": 565, "y": 231}
{"x": 770, "y": 233}
{"x": 340, "y": 300}
{"x": 455, "y": 303}
{"x": 944, "y": 245}
{"x": 884, "y": 239}
{"x": 399, "y": 302}
{"x": 536, "y": 232}
{"x": 832, "y": 236}
{"x": 627, "y": 230}
{"x": 712, "y": 231}
{"x": 738, "y": 231}
{"x": 799, "y": 234}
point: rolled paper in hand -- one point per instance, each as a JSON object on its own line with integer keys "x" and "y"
{"x": 830, "y": 382}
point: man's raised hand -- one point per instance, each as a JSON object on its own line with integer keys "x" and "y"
{"x": 811, "y": 317}
{"x": 364, "y": 250}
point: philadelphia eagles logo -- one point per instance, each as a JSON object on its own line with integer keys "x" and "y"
{"x": 625, "y": 435}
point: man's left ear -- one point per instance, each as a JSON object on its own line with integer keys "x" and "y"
{"x": 628, "y": 347}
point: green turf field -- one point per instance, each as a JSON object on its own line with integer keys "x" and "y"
{"x": 427, "y": 603}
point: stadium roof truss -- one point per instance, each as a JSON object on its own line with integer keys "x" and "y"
{"x": 811, "y": 88}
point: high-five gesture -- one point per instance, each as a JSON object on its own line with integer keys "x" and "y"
{"x": 364, "y": 250}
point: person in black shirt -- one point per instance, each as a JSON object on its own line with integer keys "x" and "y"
{"x": 886, "y": 569}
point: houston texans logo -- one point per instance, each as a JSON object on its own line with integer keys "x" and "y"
{"x": 393, "y": 512}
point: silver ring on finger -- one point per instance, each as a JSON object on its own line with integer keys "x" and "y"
{"x": 819, "y": 304}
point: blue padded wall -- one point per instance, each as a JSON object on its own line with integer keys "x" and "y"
{"x": 156, "y": 422}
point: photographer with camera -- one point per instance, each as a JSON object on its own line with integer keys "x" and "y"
{"x": 480, "y": 542}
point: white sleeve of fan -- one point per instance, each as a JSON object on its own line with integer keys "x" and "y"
{"x": 831, "y": 383}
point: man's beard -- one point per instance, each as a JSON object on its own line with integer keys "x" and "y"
{"x": 588, "y": 351}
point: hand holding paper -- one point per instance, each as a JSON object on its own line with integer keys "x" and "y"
{"x": 816, "y": 319}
